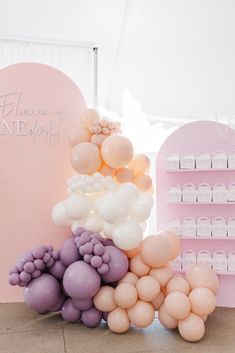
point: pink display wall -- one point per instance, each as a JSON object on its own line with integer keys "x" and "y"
{"x": 196, "y": 138}
{"x": 38, "y": 108}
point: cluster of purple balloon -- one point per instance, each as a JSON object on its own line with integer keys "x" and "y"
{"x": 70, "y": 284}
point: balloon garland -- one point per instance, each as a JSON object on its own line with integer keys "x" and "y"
{"x": 105, "y": 269}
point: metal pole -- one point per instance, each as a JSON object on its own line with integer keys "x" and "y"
{"x": 95, "y": 87}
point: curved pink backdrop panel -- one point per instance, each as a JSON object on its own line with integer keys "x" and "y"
{"x": 39, "y": 106}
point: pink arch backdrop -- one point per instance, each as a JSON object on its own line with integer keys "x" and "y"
{"x": 39, "y": 106}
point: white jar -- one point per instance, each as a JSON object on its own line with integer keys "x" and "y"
{"x": 203, "y": 227}
{"x": 189, "y": 193}
{"x": 231, "y": 261}
{"x": 220, "y": 261}
{"x": 220, "y": 193}
{"x": 231, "y": 227}
{"x": 175, "y": 226}
{"x": 204, "y": 258}
{"x": 203, "y": 161}
{"x": 174, "y": 194}
{"x": 189, "y": 259}
{"x": 189, "y": 227}
{"x": 204, "y": 193}
{"x": 231, "y": 160}
{"x": 219, "y": 227}
{"x": 219, "y": 160}
{"x": 187, "y": 161}
{"x": 231, "y": 192}
{"x": 172, "y": 162}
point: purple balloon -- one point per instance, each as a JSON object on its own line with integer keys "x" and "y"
{"x": 105, "y": 315}
{"x": 82, "y": 304}
{"x": 55, "y": 254}
{"x": 42, "y": 293}
{"x": 78, "y": 231}
{"x": 81, "y": 281}
{"x": 27, "y": 257}
{"x": 92, "y": 317}
{"x": 14, "y": 279}
{"x": 39, "y": 252}
{"x": 14, "y": 269}
{"x": 58, "y": 269}
{"x": 39, "y": 264}
{"x": 104, "y": 268}
{"x": 68, "y": 252}
{"x": 118, "y": 266}
{"x": 59, "y": 304}
{"x": 96, "y": 261}
{"x": 99, "y": 249}
{"x": 69, "y": 312}
{"x": 29, "y": 267}
{"x": 25, "y": 277}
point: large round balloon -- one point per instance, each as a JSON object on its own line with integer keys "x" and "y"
{"x": 202, "y": 276}
{"x": 118, "y": 266}
{"x": 86, "y": 158}
{"x": 68, "y": 252}
{"x": 81, "y": 281}
{"x": 42, "y": 293}
{"x": 117, "y": 151}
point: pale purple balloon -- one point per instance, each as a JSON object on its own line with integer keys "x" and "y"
{"x": 55, "y": 254}
{"x": 59, "y": 304}
{"x": 20, "y": 266}
{"x": 39, "y": 252}
{"x": 105, "y": 315}
{"x": 104, "y": 268}
{"x": 46, "y": 258}
{"x": 68, "y": 252}
{"x": 81, "y": 281}
{"x": 96, "y": 261}
{"x": 87, "y": 258}
{"x": 25, "y": 277}
{"x": 27, "y": 257}
{"x": 78, "y": 231}
{"x": 39, "y": 264}
{"x": 118, "y": 266}
{"x": 82, "y": 304}
{"x": 29, "y": 267}
{"x": 106, "y": 257}
{"x": 14, "y": 269}
{"x": 99, "y": 249}
{"x": 58, "y": 269}
{"x": 14, "y": 279}
{"x": 42, "y": 293}
{"x": 84, "y": 238}
{"x": 92, "y": 317}
{"x": 36, "y": 274}
{"x": 50, "y": 263}
{"x": 69, "y": 312}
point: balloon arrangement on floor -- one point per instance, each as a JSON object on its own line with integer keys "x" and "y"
{"x": 105, "y": 269}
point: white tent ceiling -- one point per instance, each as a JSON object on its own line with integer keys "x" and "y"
{"x": 177, "y": 57}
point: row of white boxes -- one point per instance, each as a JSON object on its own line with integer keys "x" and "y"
{"x": 218, "y": 260}
{"x": 203, "y": 193}
{"x": 206, "y": 160}
{"x": 203, "y": 227}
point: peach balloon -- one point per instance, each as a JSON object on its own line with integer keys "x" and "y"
{"x": 203, "y": 301}
{"x": 204, "y": 318}
{"x": 177, "y": 305}
{"x": 178, "y": 284}
{"x": 98, "y": 139}
{"x": 140, "y": 163}
{"x": 192, "y": 328}
{"x": 124, "y": 175}
{"x": 118, "y": 321}
{"x": 138, "y": 267}
{"x": 125, "y": 295}
{"x": 106, "y": 170}
{"x": 79, "y": 135}
{"x": 117, "y": 151}
{"x": 158, "y": 301}
{"x": 132, "y": 253}
{"x": 104, "y": 299}
{"x": 162, "y": 274}
{"x": 155, "y": 251}
{"x": 202, "y": 276}
{"x": 89, "y": 117}
{"x": 174, "y": 242}
{"x": 129, "y": 278}
{"x": 141, "y": 314}
{"x": 86, "y": 158}
{"x": 166, "y": 320}
{"x": 143, "y": 181}
{"x": 148, "y": 288}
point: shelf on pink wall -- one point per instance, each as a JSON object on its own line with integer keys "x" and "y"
{"x": 200, "y": 170}
{"x": 222, "y": 273}
{"x": 206, "y": 238}
{"x": 202, "y": 203}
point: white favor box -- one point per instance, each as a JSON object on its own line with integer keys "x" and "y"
{"x": 189, "y": 259}
{"x": 172, "y": 162}
{"x": 189, "y": 193}
{"x": 203, "y": 161}
{"x": 220, "y": 261}
{"x": 175, "y": 226}
{"x": 220, "y": 193}
{"x": 203, "y": 227}
{"x": 231, "y": 160}
{"x": 189, "y": 228}
{"x": 231, "y": 192}
{"x": 219, "y": 160}
{"x": 204, "y": 258}
{"x": 187, "y": 161}
{"x": 174, "y": 194}
{"x": 231, "y": 227}
{"x": 231, "y": 261}
{"x": 176, "y": 264}
{"x": 204, "y": 193}
{"x": 219, "y": 227}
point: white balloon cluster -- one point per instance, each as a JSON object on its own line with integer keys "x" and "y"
{"x": 90, "y": 183}
{"x": 119, "y": 213}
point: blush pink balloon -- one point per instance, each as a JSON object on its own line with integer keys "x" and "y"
{"x": 106, "y": 170}
{"x": 117, "y": 151}
{"x": 79, "y": 135}
{"x": 203, "y": 301}
{"x": 140, "y": 163}
{"x": 124, "y": 175}
{"x": 202, "y": 276}
{"x": 104, "y": 299}
{"x": 178, "y": 284}
{"x": 89, "y": 117}
{"x": 85, "y": 158}
{"x": 156, "y": 251}
{"x": 118, "y": 321}
{"x": 125, "y": 295}
{"x": 192, "y": 328}
{"x": 162, "y": 274}
{"x": 138, "y": 267}
{"x": 158, "y": 301}
{"x": 166, "y": 320}
{"x": 148, "y": 288}
{"x": 141, "y": 314}
{"x": 177, "y": 305}
{"x": 143, "y": 181}
{"x": 129, "y": 278}
{"x": 174, "y": 242}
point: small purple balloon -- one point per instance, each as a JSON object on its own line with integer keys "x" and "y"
{"x": 36, "y": 274}
{"x": 96, "y": 261}
{"x": 27, "y": 257}
{"x": 82, "y": 304}
{"x": 69, "y": 312}
{"x": 42, "y": 293}
{"x": 50, "y": 263}
{"x": 58, "y": 269}
{"x": 14, "y": 269}
{"x": 39, "y": 264}
{"x": 78, "y": 231}
{"x": 118, "y": 266}
{"x": 29, "y": 267}
{"x": 55, "y": 254}
{"x": 87, "y": 258}
{"x": 14, "y": 279}
{"x": 25, "y": 277}
{"x": 104, "y": 268}
{"x": 81, "y": 281}
{"x": 38, "y": 253}
{"x": 99, "y": 249}
{"x": 92, "y": 317}
{"x": 68, "y": 252}
{"x": 84, "y": 238}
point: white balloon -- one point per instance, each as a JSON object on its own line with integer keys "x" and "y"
{"x": 60, "y": 214}
{"x": 128, "y": 192}
{"x": 127, "y": 235}
{"x": 76, "y": 225}
{"x": 147, "y": 198}
{"x": 113, "y": 209}
{"x": 108, "y": 229}
{"x": 93, "y": 223}
{"x": 139, "y": 211}
{"x": 78, "y": 206}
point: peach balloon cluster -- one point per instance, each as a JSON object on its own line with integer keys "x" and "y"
{"x": 98, "y": 147}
